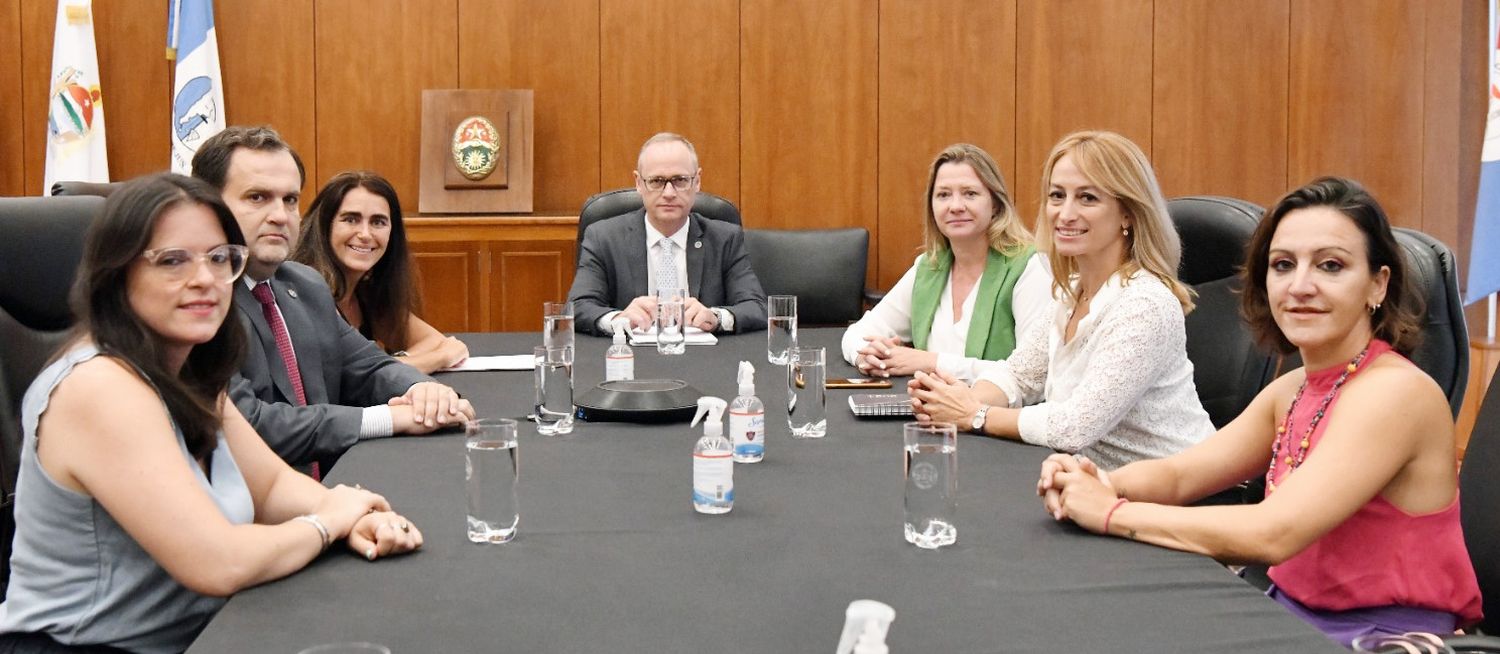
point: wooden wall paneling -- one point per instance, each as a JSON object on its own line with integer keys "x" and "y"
{"x": 266, "y": 57}
{"x": 1356, "y": 89}
{"x": 12, "y": 164}
{"x": 1219, "y": 105}
{"x": 552, "y": 47}
{"x": 808, "y": 78}
{"x": 448, "y": 275}
{"x": 1080, "y": 64}
{"x": 526, "y": 274}
{"x": 650, "y": 83}
{"x": 373, "y": 59}
{"x": 947, "y": 75}
{"x": 1443, "y": 76}
{"x": 38, "y": 25}
{"x": 131, "y": 39}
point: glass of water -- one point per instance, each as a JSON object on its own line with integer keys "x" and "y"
{"x": 931, "y": 484}
{"x": 557, "y": 324}
{"x": 348, "y": 648}
{"x": 554, "y": 390}
{"x": 490, "y": 475}
{"x": 781, "y": 333}
{"x": 670, "y": 303}
{"x": 806, "y": 400}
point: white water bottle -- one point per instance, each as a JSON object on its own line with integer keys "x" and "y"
{"x": 747, "y": 419}
{"x": 713, "y": 463}
{"x": 619, "y": 359}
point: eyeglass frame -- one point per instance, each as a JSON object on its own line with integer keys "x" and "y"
{"x": 687, "y": 182}
{"x": 199, "y": 260}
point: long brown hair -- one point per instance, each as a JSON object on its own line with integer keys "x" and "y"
{"x": 1398, "y": 318}
{"x": 101, "y": 302}
{"x": 386, "y": 294}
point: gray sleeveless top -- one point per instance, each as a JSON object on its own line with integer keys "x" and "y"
{"x": 77, "y": 575}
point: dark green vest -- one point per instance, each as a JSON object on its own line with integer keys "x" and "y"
{"x": 992, "y": 328}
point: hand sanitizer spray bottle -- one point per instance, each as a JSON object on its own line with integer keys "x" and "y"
{"x": 713, "y": 465}
{"x": 619, "y": 359}
{"x": 747, "y": 419}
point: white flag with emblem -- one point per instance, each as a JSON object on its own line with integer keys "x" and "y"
{"x": 197, "y": 86}
{"x": 75, "y": 107}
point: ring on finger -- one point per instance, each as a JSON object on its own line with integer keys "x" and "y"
{"x": 405, "y": 526}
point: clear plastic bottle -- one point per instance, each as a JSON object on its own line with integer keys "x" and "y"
{"x": 713, "y": 463}
{"x": 747, "y": 419}
{"x": 619, "y": 359}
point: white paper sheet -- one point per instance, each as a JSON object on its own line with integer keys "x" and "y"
{"x": 693, "y": 336}
{"x": 498, "y": 362}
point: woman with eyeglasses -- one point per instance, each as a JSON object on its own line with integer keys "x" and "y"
{"x": 1360, "y": 521}
{"x": 144, "y": 498}
{"x": 353, "y": 235}
{"x": 1106, "y": 374}
{"x": 978, "y": 284}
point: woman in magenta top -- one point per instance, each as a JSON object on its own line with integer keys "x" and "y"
{"x": 1360, "y": 522}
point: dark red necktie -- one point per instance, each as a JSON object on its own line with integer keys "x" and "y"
{"x": 267, "y": 299}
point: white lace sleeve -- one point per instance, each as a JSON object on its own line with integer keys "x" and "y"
{"x": 1023, "y": 375}
{"x": 890, "y": 317}
{"x": 1125, "y": 356}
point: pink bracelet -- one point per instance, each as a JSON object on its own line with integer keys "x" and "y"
{"x": 1111, "y": 513}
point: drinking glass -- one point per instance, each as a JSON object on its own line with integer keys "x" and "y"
{"x": 347, "y": 648}
{"x": 670, "y": 303}
{"x": 931, "y": 483}
{"x": 490, "y": 474}
{"x": 781, "y": 332}
{"x": 557, "y": 324}
{"x": 806, "y": 401}
{"x": 554, "y": 390}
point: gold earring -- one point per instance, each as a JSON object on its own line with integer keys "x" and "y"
{"x": 1373, "y": 308}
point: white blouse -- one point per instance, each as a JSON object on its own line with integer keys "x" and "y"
{"x": 1030, "y": 302}
{"x": 1121, "y": 390}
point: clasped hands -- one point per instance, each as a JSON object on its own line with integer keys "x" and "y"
{"x": 365, "y": 522}
{"x": 642, "y": 314}
{"x": 428, "y": 406}
{"x": 1074, "y": 488}
{"x": 886, "y": 356}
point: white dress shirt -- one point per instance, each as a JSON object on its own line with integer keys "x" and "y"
{"x": 1030, "y": 302}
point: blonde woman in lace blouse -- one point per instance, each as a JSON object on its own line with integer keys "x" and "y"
{"x": 1107, "y": 376}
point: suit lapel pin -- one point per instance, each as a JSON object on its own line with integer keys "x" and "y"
{"x": 697, "y": 245}
{"x": 292, "y": 292}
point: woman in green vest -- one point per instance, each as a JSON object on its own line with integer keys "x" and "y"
{"x": 977, "y": 285}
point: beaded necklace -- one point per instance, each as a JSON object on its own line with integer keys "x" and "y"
{"x": 1283, "y": 431}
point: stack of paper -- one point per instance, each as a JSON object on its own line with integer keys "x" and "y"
{"x": 694, "y": 336}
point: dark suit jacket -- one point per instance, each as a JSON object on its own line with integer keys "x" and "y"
{"x": 342, "y": 372}
{"x": 612, "y": 270}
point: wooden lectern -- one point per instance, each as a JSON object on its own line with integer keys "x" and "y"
{"x": 476, "y": 151}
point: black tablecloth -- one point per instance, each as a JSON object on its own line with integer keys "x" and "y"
{"x": 612, "y": 557}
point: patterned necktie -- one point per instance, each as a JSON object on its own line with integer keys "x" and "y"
{"x": 666, "y": 266}
{"x": 262, "y": 293}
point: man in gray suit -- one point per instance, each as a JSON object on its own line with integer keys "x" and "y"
{"x": 310, "y": 384}
{"x": 624, "y": 259}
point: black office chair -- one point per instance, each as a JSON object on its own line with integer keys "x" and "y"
{"x": 41, "y": 242}
{"x": 85, "y": 188}
{"x": 824, "y": 268}
{"x": 1229, "y": 368}
{"x": 613, "y": 203}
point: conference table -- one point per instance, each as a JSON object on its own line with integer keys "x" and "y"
{"x": 611, "y": 556}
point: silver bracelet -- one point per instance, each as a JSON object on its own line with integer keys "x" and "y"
{"x": 312, "y": 519}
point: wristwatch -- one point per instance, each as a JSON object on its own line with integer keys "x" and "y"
{"x": 977, "y": 424}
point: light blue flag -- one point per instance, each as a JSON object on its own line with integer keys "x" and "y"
{"x": 197, "y": 86}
